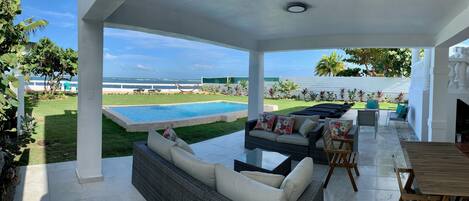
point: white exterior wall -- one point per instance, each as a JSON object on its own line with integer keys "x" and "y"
{"x": 418, "y": 96}
{"x": 391, "y": 86}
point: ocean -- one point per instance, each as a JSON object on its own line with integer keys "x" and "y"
{"x": 38, "y": 81}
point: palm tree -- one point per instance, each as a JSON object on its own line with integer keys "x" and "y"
{"x": 330, "y": 65}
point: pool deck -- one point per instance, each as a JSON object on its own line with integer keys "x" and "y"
{"x": 131, "y": 126}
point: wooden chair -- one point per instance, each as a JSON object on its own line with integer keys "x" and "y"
{"x": 340, "y": 156}
{"x": 408, "y": 193}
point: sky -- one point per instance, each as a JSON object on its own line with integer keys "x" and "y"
{"x": 142, "y": 55}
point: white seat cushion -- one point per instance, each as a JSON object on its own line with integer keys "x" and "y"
{"x": 202, "y": 171}
{"x": 159, "y": 144}
{"x": 298, "y": 180}
{"x": 264, "y": 134}
{"x": 273, "y": 180}
{"x": 183, "y": 145}
{"x": 238, "y": 187}
{"x": 294, "y": 138}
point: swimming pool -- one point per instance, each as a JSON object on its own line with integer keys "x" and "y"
{"x": 142, "y": 117}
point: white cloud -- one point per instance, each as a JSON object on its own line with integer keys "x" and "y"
{"x": 149, "y": 41}
{"x": 202, "y": 67}
{"x": 109, "y": 56}
{"x": 50, "y": 13}
{"x": 142, "y": 67}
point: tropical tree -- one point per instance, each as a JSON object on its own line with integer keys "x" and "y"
{"x": 52, "y": 63}
{"x": 389, "y": 62}
{"x": 362, "y": 56}
{"x": 330, "y": 65}
{"x": 350, "y": 72}
{"x": 13, "y": 38}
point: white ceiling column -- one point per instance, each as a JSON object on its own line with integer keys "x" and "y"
{"x": 438, "y": 98}
{"x": 90, "y": 78}
{"x": 256, "y": 84}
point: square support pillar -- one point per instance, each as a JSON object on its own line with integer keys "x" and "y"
{"x": 90, "y": 79}
{"x": 438, "y": 96}
{"x": 256, "y": 84}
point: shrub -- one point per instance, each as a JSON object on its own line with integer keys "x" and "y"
{"x": 400, "y": 97}
{"x": 342, "y": 94}
{"x": 273, "y": 91}
{"x": 322, "y": 95}
{"x": 352, "y": 94}
{"x": 380, "y": 95}
{"x": 361, "y": 95}
{"x": 313, "y": 96}
{"x": 330, "y": 96}
{"x": 286, "y": 87}
{"x": 305, "y": 93}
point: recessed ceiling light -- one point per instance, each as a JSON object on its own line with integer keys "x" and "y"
{"x": 297, "y": 7}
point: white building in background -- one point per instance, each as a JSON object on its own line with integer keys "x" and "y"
{"x": 265, "y": 25}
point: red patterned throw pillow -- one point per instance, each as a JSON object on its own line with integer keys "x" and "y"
{"x": 340, "y": 128}
{"x": 265, "y": 122}
{"x": 284, "y": 125}
{"x": 170, "y": 134}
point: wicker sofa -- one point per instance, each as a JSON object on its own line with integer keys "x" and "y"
{"x": 312, "y": 147}
{"x": 159, "y": 179}
{"x": 298, "y": 151}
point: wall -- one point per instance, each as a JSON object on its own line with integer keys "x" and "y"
{"x": 367, "y": 84}
{"x": 418, "y": 100}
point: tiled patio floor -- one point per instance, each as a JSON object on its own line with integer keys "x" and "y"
{"x": 57, "y": 182}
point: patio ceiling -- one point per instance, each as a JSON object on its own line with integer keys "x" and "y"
{"x": 265, "y": 25}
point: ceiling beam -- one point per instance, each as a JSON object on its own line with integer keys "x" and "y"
{"x": 456, "y": 31}
{"x": 99, "y": 10}
{"x": 345, "y": 41}
{"x": 177, "y": 24}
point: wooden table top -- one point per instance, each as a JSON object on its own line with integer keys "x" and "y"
{"x": 439, "y": 168}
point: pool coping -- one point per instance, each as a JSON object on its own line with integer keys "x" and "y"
{"x": 131, "y": 126}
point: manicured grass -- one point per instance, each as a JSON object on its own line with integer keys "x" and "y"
{"x": 56, "y": 131}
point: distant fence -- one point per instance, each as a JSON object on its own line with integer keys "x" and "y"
{"x": 233, "y": 80}
{"x": 124, "y": 87}
{"x": 367, "y": 84}
{"x": 391, "y": 87}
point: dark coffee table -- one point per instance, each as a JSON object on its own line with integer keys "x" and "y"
{"x": 263, "y": 161}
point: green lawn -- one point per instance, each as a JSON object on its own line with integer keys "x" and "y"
{"x": 56, "y": 132}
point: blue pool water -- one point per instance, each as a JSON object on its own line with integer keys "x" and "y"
{"x": 160, "y": 113}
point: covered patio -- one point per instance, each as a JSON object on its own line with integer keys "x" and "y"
{"x": 259, "y": 27}
{"x": 57, "y": 182}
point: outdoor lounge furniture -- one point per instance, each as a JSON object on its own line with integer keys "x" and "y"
{"x": 325, "y": 110}
{"x": 407, "y": 189}
{"x": 369, "y": 117}
{"x": 340, "y": 155}
{"x": 139, "y": 90}
{"x": 158, "y": 178}
{"x": 439, "y": 168}
{"x": 297, "y": 146}
{"x": 263, "y": 161}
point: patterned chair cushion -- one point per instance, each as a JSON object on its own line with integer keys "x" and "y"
{"x": 340, "y": 128}
{"x": 265, "y": 122}
{"x": 284, "y": 125}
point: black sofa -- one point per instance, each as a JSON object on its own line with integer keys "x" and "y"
{"x": 326, "y": 110}
{"x": 160, "y": 180}
{"x": 297, "y": 152}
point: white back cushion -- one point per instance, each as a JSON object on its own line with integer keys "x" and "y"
{"x": 183, "y": 145}
{"x": 202, "y": 171}
{"x": 273, "y": 180}
{"x": 296, "y": 182}
{"x": 160, "y": 145}
{"x": 238, "y": 187}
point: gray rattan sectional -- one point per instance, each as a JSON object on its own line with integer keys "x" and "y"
{"x": 158, "y": 179}
{"x": 297, "y": 152}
